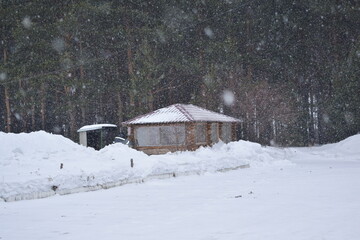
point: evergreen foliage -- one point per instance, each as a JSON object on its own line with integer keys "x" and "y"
{"x": 293, "y": 66}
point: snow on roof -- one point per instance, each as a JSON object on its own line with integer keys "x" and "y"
{"x": 181, "y": 113}
{"x": 95, "y": 127}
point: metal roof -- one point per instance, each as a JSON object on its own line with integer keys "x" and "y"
{"x": 180, "y": 113}
{"x": 95, "y": 127}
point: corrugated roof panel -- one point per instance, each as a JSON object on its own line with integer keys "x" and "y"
{"x": 201, "y": 114}
{"x": 95, "y": 127}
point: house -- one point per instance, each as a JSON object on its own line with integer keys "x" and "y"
{"x": 98, "y": 135}
{"x": 180, "y": 127}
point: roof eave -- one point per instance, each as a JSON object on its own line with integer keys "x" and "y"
{"x": 175, "y": 122}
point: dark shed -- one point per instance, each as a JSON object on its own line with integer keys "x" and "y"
{"x": 98, "y": 135}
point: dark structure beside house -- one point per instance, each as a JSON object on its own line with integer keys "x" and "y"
{"x": 180, "y": 127}
{"x": 97, "y": 136}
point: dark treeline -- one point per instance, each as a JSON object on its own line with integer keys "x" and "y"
{"x": 292, "y": 65}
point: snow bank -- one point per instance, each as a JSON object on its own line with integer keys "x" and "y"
{"x": 345, "y": 150}
{"x": 30, "y": 164}
{"x": 350, "y": 145}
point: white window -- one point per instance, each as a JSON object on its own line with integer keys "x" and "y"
{"x": 160, "y": 135}
{"x": 172, "y": 135}
{"x": 214, "y": 132}
{"x": 200, "y": 133}
{"x": 147, "y": 136}
{"x": 226, "y": 132}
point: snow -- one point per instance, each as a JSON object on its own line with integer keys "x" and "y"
{"x": 26, "y": 22}
{"x": 228, "y": 97}
{"x": 3, "y": 76}
{"x": 30, "y": 164}
{"x": 168, "y": 114}
{"x": 209, "y": 32}
{"x": 181, "y": 113}
{"x": 95, "y": 127}
{"x": 58, "y": 44}
{"x": 287, "y": 193}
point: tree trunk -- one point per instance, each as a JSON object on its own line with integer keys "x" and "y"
{"x": 72, "y": 119}
{"x": 151, "y": 101}
{"x": 43, "y": 105}
{"x": 130, "y": 64}
{"x": 203, "y": 88}
{"x": 24, "y": 123}
{"x": 7, "y": 101}
{"x": 249, "y": 72}
{"x": 82, "y": 75}
{"x": 33, "y": 121}
{"x": 8, "y": 112}
{"x": 120, "y": 109}
{"x": 311, "y": 116}
{"x": 71, "y": 113}
{"x": 83, "y": 114}
{"x": 249, "y": 24}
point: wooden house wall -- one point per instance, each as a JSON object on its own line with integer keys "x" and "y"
{"x": 190, "y": 136}
{"x": 233, "y": 132}
{"x": 190, "y": 143}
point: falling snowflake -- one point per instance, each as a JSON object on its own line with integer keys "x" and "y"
{"x": 273, "y": 143}
{"x": 57, "y": 129}
{"x": 26, "y": 22}
{"x": 349, "y": 117}
{"x": 228, "y": 97}
{"x": 58, "y": 44}
{"x": 285, "y": 19}
{"x": 18, "y": 116}
{"x": 326, "y": 118}
{"x": 209, "y": 32}
{"x": 3, "y": 76}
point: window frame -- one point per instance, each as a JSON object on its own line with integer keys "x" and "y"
{"x": 200, "y": 142}
{"x": 216, "y": 128}
{"x": 224, "y": 126}
{"x": 157, "y": 131}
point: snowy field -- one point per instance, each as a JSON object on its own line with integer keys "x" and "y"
{"x": 30, "y": 164}
{"x": 294, "y": 193}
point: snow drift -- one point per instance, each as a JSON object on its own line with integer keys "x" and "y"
{"x": 30, "y": 164}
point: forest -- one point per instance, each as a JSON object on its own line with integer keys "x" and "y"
{"x": 290, "y": 69}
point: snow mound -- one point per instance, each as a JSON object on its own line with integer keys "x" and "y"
{"x": 37, "y": 144}
{"x": 345, "y": 150}
{"x": 39, "y": 164}
{"x": 348, "y": 145}
{"x": 30, "y": 164}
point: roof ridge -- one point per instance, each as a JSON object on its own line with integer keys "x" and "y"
{"x": 181, "y": 108}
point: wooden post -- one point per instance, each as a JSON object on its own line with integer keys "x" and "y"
{"x": 220, "y": 131}
{"x": 233, "y": 132}
{"x": 190, "y": 136}
{"x": 131, "y": 136}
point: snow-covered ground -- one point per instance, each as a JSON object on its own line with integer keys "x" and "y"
{"x": 292, "y": 193}
{"x": 30, "y": 164}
